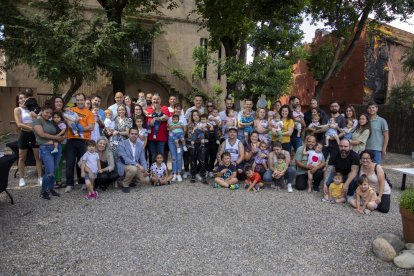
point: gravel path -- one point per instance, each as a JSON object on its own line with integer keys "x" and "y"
{"x": 190, "y": 229}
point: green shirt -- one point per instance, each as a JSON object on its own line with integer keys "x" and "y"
{"x": 48, "y": 127}
{"x": 302, "y": 158}
{"x": 376, "y": 139}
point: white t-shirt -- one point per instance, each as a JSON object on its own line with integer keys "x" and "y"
{"x": 159, "y": 171}
{"x": 315, "y": 157}
{"x": 91, "y": 160}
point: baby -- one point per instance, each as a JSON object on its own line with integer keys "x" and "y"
{"x": 73, "y": 121}
{"x": 336, "y": 194}
{"x": 212, "y": 118}
{"x": 297, "y": 114}
{"x": 331, "y": 132}
{"x": 261, "y": 156}
{"x": 247, "y": 118}
{"x": 200, "y": 130}
{"x": 60, "y": 127}
{"x": 275, "y": 125}
{"x": 141, "y": 100}
{"x": 365, "y": 199}
{"x": 315, "y": 123}
{"x": 349, "y": 129}
{"x": 109, "y": 123}
{"x": 177, "y": 132}
{"x": 230, "y": 121}
{"x": 315, "y": 157}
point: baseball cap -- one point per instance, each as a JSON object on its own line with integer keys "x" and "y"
{"x": 232, "y": 128}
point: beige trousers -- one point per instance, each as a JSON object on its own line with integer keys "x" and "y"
{"x": 132, "y": 173}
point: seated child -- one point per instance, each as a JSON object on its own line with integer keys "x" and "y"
{"x": 331, "y": 132}
{"x": 200, "y": 130}
{"x": 246, "y": 121}
{"x": 297, "y": 114}
{"x": 253, "y": 180}
{"x": 315, "y": 157}
{"x": 280, "y": 168}
{"x": 73, "y": 121}
{"x": 365, "y": 199}
{"x": 60, "y": 127}
{"x": 275, "y": 125}
{"x": 176, "y": 131}
{"x": 335, "y": 195}
{"x": 212, "y": 123}
{"x": 90, "y": 166}
{"x": 261, "y": 155}
{"x": 349, "y": 129}
{"x": 109, "y": 123}
{"x": 226, "y": 173}
{"x": 159, "y": 172}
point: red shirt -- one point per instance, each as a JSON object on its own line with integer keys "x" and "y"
{"x": 255, "y": 176}
{"x": 162, "y": 135}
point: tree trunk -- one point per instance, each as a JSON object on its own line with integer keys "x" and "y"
{"x": 75, "y": 84}
{"x": 231, "y": 52}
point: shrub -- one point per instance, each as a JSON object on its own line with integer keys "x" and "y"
{"x": 407, "y": 200}
{"x": 402, "y": 97}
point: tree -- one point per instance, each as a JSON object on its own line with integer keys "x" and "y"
{"x": 58, "y": 43}
{"x": 347, "y": 19}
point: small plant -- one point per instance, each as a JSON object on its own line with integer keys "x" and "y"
{"x": 402, "y": 97}
{"x": 407, "y": 200}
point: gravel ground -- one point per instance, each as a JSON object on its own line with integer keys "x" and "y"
{"x": 192, "y": 229}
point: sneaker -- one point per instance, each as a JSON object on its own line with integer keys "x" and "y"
{"x": 215, "y": 185}
{"x": 185, "y": 174}
{"x": 257, "y": 187}
{"x": 204, "y": 181}
{"x": 54, "y": 193}
{"x": 82, "y": 136}
{"x": 55, "y": 150}
{"x": 246, "y": 186}
{"x": 324, "y": 200}
{"x": 234, "y": 186}
{"x": 192, "y": 179}
{"x": 179, "y": 179}
{"x": 45, "y": 195}
{"x": 367, "y": 211}
{"x": 125, "y": 190}
{"x": 75, "y": 133}
{"x": 68, "y": 189}
{"x": 198, "y": 176}
{"x": 40, "y": 181}
{"x": 174, "y": 179}
{"x": 178, "y": 150}
{"x": 22, "y": 183}
{"x": 185, "y": 148}
{"x": 289, "y": 188}
{"x": 218, "y": 142}
{"x": 211, "y": 174}
{"x": 83, "y": 188}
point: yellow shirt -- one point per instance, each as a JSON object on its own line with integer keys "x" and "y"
{"x": 287, "y": 123}
{"x": 335, "y": 190}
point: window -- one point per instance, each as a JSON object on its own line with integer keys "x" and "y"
{"x": 203, "y": 43}
{"x": 142, "y": 54}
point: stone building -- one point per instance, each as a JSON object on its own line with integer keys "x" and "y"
{"x": 169, "y": 53}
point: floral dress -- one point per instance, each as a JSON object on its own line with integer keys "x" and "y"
{"x": 120, "y": 126}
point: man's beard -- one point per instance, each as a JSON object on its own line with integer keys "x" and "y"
{"x": 344, "y": 153}
{"x": 334, "y": 111}
{"x": 149, "y": 102}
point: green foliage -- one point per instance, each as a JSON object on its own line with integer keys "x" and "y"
{"x": 402, "y": 97}
{"x": 407, "y": 60}
{"x": 407, "y": 200}
{"x": 202, "y": 58}
{"x": 178, "y": 73}
{"x": 320, "y": 58}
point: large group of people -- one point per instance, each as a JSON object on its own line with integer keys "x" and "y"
{"x": 130, "y": 142}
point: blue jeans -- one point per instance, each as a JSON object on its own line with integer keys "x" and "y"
{"x": 177, "y": 158}
{"x": 296, "y": 142}
{"x": 377, "y": 156}
{"x": 289, "y": 175}
{"x": 51, "y": 162}
{"x": 155, "y": 147}
{"x": 77, "y": 127}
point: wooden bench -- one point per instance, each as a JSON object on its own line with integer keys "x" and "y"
{"x": 404, "y": 171}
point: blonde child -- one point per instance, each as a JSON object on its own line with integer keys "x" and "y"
{"x": 275, "y": 126}
{"x": 336, "y": 194}
{"x": 226, "y": 173}
{"x": 60, "y": 127}
{"x": 253, "y": 180}
{"x": 280, "y": 169}
{"x": 314, "y": 124}
{"x": 365, "y": 197}
{"x": 261, "y": 156}
{"x": 159, "y": 172}
{"x": 348, "y": 130}
{"x": 315, "y": 157}
{"x": 332, "y": 131}
{"x": 109, "y": 123}
{"x": 90, "y": 166}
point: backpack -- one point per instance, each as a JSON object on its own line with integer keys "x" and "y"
{"x": 375, "y": 170}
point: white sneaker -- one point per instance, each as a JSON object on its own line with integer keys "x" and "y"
{"x": 22, "y": 183}
{"x": 178, "y": 150}
{"x": 174, "y": 178}
{"x": 289, "y": 188}
{"x": 83, "y": 187}
{"x": 68, "y": 189}
{"x": 179, "y": 179}
{"x": 198, "y": 176}
{"x": 185, "y": 174}
{"x": 211, "y": 174}
{"x": 40, "y": 181}
{"x": 185, "y": 148}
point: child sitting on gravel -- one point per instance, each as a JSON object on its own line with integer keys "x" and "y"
{"x": 159, "y": 172}
{"x": 226, "y": 173}
{"x": 365, "y": 197}
{"x": 253, "y": 180}
{"x": 335, "y": 195}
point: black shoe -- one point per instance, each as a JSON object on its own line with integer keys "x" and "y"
{"x": 45, "y": 195}
{"x": 125, "y": 190}
{"x": 204, "y": 181}
{"x": 193, "y": 180}
{"x": 54, "y": 193}
{"x": 132, "y": 185}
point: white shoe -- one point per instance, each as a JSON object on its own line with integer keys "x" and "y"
{"x": 40, "y": 180}
{"x": 179, "y": 179}
{"x": 174, "y": 178}
{"x": 178, "y": 150}
{"x": 211, "y": 174}
{"x": 289, "y": 188}
{"x": 83, "y": 187}
{"x": 22, "y": 183}
{"x": 185, "y": 148}
{"x": 198, "y": 176}
{"x": 185, "y": 174}
{"x": 68, "y": 189}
